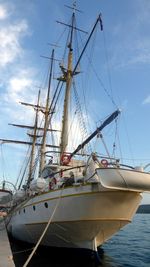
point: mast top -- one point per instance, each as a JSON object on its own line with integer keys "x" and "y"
{"x": 73, "y": 7}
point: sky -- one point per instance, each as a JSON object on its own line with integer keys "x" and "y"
{"x": 123, "y": 64}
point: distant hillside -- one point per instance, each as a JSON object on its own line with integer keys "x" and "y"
{"x": 145, "y": 208}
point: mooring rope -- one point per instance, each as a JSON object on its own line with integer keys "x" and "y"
{"x": 44, "y": 232}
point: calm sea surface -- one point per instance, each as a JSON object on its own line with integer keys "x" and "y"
{"x": 128, "y": 248}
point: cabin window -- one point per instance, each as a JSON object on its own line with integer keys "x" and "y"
{"x": 46, "y": 205}
{"x": 34, "y": 208}
{"x": 24, "y": 210}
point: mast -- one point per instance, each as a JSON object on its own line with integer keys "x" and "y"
{"x": 46, "y": 122}
{"x": 68, "y": 79}
{"x": 34, "y": 136}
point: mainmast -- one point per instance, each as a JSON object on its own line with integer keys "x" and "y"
{"x": 68, "y": 79}
{"x": 46, "y": 122}
{"x": 68, "y": 76}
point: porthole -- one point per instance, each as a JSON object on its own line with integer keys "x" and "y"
{"x": 46, "y": 205}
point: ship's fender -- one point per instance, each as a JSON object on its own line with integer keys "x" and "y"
{"x": 38, "y": 184}
{"x": 19, "y": 194}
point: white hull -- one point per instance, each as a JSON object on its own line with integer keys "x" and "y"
{"x": 85, "y": 217}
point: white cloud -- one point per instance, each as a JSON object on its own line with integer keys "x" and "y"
{"x": 10, "y": 47}
{"x": 19, "y": 87}
{"x": 146, "y": 100}
{"x": 3, "y": 12}
{"x": 17, "y": 82}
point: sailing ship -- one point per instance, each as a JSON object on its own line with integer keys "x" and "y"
{"x": 72, "y": 199}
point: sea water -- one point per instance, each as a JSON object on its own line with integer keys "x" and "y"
{"x": 130, "y": 247}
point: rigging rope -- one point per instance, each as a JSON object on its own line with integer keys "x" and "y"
{"x": 25, "y": 160}
{"x": 107, "y": 151}
{"x": 2, "y": 161}
{"x": 80, "y": 115}
{"x": 98, "y": 76}
{"x": 129, "y": 144}
{"x": 115, "y": 140}
{"x": 107, "y": 61}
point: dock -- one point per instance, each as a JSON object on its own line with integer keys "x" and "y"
{"x": 6, "y": 256}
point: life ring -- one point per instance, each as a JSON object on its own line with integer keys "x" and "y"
{"x": 65, "y": 159}
{"x": 104, "y": 162}
{"x": 52, "y": 183}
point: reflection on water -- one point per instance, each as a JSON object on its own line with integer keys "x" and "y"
{"x": 128, "y": 248}
{"x": 46, "y": 256}
{"x": 53, "y": 257}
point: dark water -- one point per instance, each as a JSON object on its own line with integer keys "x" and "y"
{"x": 128, "y": 248}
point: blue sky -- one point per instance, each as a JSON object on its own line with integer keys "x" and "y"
{"x": 123, "y": 65}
